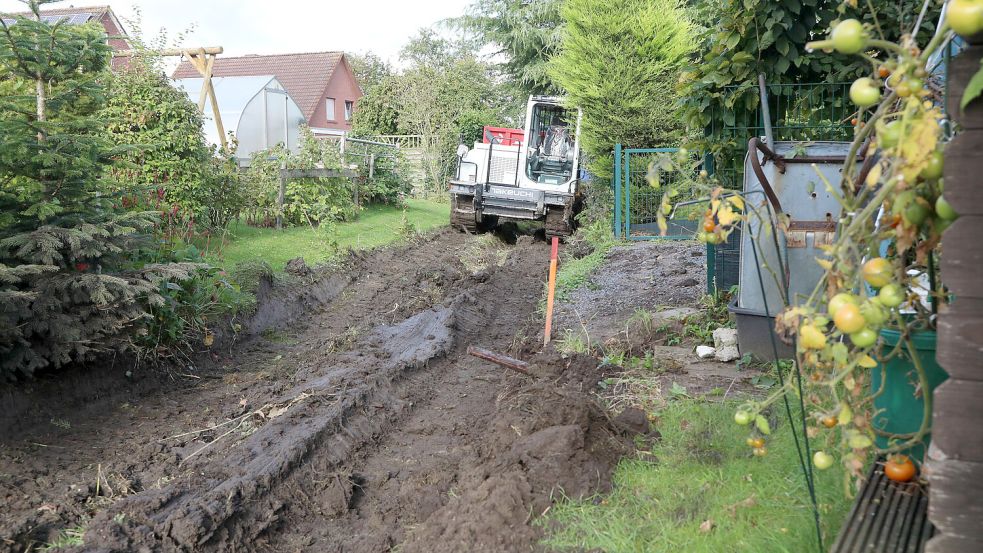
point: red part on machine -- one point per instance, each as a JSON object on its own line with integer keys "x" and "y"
{"x": 502, "y": 135}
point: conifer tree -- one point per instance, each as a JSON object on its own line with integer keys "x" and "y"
{"x": 68, "y": 284}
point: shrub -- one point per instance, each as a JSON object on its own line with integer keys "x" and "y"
{"x": 618, "y": 63}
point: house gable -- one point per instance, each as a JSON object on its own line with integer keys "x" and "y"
{"x": 342, "y": 87}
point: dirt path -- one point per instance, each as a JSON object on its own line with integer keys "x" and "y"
{"x": 354, "y": 422}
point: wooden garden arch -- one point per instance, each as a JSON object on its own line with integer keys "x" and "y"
{"x": 202, "y": 59}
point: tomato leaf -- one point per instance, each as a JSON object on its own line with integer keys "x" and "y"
{"x": 973, "y": 89}
{"x": 762, "y": 423}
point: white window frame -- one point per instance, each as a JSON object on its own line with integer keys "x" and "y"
{"x": 349, "y": 109}
{"x": 329, "y": 107}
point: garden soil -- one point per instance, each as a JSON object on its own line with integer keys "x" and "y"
{"x": 346, "y": 416}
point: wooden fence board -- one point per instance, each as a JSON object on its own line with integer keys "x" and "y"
{"x": 956, "y": 421}
{"x": 962, "y": 260}
{"x": 952, "y": 544}
{"x": 959, "y": 349}
{"x": 963, "y": 181}
{"x": 954, "y": 498}
{"x": 961, "y": 69}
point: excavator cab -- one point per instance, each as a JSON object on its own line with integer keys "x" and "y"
{"x": 551, "y": 145}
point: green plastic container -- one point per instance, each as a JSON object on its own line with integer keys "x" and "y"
{"x": 901, "y": 410}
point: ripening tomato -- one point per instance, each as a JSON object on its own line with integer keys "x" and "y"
{"x": 849, "y": 319}
{"x": 709, "y": 225}
{"x": 878, "y": 272}
{"x": 883, "y": 72}
{"x": 830, "y": 421}
{"x": 756, "y": 442}
{"x": 899, "y": 468}
{"x": 811, "y": 337}
{"x": 839, "y": 300}
{"x": 760, "y": 451}
{"x": 742, "y": 418}
{"x": 849, "y": 37}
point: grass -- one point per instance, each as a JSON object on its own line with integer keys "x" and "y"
{"x": 703, "y": 492}
{"x": 377, "y": 225}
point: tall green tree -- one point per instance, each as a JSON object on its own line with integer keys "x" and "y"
{"x": 64, "y": 294}
{"x": 446, "y": 95}
{"x": 527, "y": 33}
{"x": 618, "y": 63}
{"x": 370, "y": 70}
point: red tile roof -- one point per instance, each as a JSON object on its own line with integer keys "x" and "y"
{"x": 305, "y": 76}
{"x": 94, "y": 10}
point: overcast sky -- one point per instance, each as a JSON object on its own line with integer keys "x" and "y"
{"x": 280, "y": 26}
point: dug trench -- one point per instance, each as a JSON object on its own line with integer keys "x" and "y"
{"x": 354, "y": 420}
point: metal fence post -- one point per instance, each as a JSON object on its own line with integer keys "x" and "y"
{"x": 617, "y": 190}
{"x": 711, "y": 269}
{"x": 280, "y": 195}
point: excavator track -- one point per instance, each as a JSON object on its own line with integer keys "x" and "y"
{"x": 460, "y": 219}
{"x": 557, "y": 223}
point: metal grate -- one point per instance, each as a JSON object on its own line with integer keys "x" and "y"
{"x": 887, "y": 517}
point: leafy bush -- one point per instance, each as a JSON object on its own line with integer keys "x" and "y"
{"x": 306, "y": 201}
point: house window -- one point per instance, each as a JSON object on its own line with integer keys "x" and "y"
{"x": 349, "y": 107}
{"x": 329, "y": 104}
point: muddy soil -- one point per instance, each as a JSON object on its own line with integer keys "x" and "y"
{"x": 351, "y": 420}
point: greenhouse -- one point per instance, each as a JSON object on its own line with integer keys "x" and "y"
{"x": 257, "y": 111}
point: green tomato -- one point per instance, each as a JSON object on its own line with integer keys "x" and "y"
{"x": 965, "y": 16}
{"x": 874, "y": 314}
{"x": 849, "y": 37}
{"x": 891, "y": 295}
{"x": 864, "y": 92}
{"x": 933, "y": 170}
{"x": 864, "y": 338}
{"x": 822, "y": 460}
{"x": 916, "y": 212}
{"x": 944, "y": 210}
{"x": 742, "y": 418}
{"x": 888, "y": 134}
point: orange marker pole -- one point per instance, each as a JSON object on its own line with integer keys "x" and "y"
{"x": 551, "y": 292}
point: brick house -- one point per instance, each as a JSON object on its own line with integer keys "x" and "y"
{"x": 117, "y": 37}
{"x": 321, "y": 83}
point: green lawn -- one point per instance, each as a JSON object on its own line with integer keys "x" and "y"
{"x": 701, "y": 471}
{"x": 377, "y": 225}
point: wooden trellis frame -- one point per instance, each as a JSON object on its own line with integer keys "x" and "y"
{"x": 202, "y": 59}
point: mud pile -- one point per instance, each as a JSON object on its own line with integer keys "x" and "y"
{"x": 547, "y": 440}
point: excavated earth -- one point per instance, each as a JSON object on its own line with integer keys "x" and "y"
{"x": 347, "y": 417}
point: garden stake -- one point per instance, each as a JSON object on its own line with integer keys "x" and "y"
{"x": 551, "y": 292}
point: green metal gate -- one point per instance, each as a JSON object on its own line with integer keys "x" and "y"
{"x": 637, "y": 201}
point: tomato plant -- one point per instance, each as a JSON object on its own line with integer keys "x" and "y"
{"x": 878, "y": 272}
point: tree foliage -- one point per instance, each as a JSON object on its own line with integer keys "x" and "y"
{"x": 619, "y": 62}
{"x": 446, "y": 95}
{"x": 526, "y": 33}
{"x": 70, "y": 282}
{"x": 751, "y": 37}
